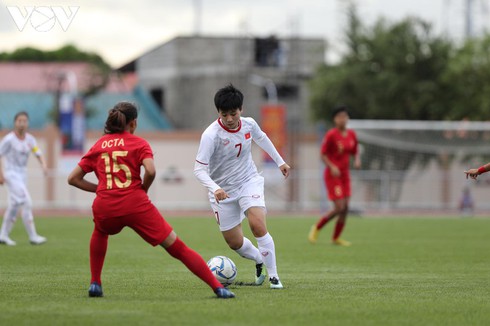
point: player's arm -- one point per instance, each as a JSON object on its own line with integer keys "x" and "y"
{"x": 357, "y": 160}
{"x": 2, "y": 180}
{"x": 4, "y": 147}
{"x": 474, "y": 173}
{"x": 326, "y": 147}
{"x": 357, "y": 154}
{"x": 150, "y": 173}
{"x": 201, "y": 172}
{"x": 264, "y": 142}
{"x": 334, "y": 169}
{"x": 77, "y": 179}
{"x": 41, "y": 161}
{"x": 39, "y": 155}
{"x": 201, "y": 169}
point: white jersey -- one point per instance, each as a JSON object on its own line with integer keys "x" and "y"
{"x": 16, "y": 151}
{"x": 227, "y": 154}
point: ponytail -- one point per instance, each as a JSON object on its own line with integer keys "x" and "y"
{"x": 119, "y": 117}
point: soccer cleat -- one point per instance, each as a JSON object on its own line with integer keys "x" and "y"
{"x": 224, "y": 293}
{"x": 259, "y": 275}
{"x": 38, "y": 240}
{"x": 95, "y": 290}
{"x": 275, "y": 283}
{"x": 7, "y": 241}
{"x": 340, "y": 242}
{"x": 313, "y": 235}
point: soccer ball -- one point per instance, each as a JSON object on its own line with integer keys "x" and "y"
{"x": 224, "y": 269}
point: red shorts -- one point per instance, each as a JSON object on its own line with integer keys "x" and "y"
{"x": 337, "y": 187}
{"x": 149, "y": 224}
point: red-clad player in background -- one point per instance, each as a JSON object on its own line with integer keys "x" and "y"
{"x": 122, "y": 200}
{"x": 338, "y": 145}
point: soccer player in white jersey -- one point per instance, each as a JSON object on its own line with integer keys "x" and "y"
{"x": 15, "y": 148}
{"x": 225, "y": 167}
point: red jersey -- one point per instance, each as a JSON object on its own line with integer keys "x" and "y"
{"x": 116, "y": 160}
{"x": 339, "y": 148}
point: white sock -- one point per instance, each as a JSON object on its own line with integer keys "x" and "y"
{"x": 268, "y": 252}
{"x": 249, "y": 251}
{"x": 28, "y": 220}
{"x": 8, "y": 220}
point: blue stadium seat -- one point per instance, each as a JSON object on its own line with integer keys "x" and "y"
{"x": 40, "y": 108}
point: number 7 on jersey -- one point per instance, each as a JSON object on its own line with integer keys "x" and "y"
{"x": 239, "y": 146}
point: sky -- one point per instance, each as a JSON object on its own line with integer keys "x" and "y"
{"x": 122, "y": 30}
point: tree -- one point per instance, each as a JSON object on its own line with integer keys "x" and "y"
{"x": 99, "y": 75}
{"x": 468, "y": 77}
{"x": 390, "y": 71}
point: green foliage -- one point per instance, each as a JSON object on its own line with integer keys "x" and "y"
{"x": 398, "y": 272}
{"x": 99, "y": 75}
{"x": 468, "y": 77}
{"x": 402, "y": 71}
{"x": 67, "y": 53}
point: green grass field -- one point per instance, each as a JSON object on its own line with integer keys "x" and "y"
{"x": 401, "y": 271}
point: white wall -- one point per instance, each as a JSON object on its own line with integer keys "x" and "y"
{"x": 422, "y": 187}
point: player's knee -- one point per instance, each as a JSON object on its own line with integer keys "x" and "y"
{"x": 258, "y": 230}
{"x": 338, "y": 209}
{"x": 12, "y": 211}
{"x": 257, "y": 226}
{"x": 235, "y": 244}
{"x": 345, "y": 210}
{"x": 27, "y": 206}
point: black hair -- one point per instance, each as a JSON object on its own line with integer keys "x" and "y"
{"x": 339, "y": 109}
{"x": 228, "y": 98}
{"x": 21, "y": 113}
{"x": 119, "y": 116}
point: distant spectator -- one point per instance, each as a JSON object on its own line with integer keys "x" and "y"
{"x": 466, "y": 204}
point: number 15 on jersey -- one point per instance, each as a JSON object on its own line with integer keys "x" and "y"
{"x": 111, "y": 168}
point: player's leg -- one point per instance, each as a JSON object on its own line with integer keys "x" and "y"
{"x": 256, "y": 219}
{"x": 98, "y": 250}
{"x": 251, "y": 201}
{"x": 194, "y": 262}
{"x": 9, "y": 218}
{"x": 229, "y": 217}
{"x": 335, "y": 193}
{"x": 245, "y": 248}
{"x": 155, "y": 230}
{"x": 330, "y": 215}
{"x": 339, "y": 226}
{"x": 14, "y": 202}
{"x": 28, "y": 219}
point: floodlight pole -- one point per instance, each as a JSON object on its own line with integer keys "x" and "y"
{"x": 197, "y": 16}
{"x": 469, "y": 18}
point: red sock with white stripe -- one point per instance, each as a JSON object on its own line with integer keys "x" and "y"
{"x": 194, "y": 262}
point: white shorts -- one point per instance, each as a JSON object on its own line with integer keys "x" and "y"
{"x": 231, "y": 211}
{"x": 17, "y": 189}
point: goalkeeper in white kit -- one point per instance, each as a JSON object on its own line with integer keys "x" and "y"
{"x": 225, "y": 167}
{"x": 15, "y": 148}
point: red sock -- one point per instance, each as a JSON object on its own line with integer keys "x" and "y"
{"x": 98, "y": 249}
{"x": 194, "y": 262}
{"x": 338, "y": 229}
{"x": 321, "y": 223}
